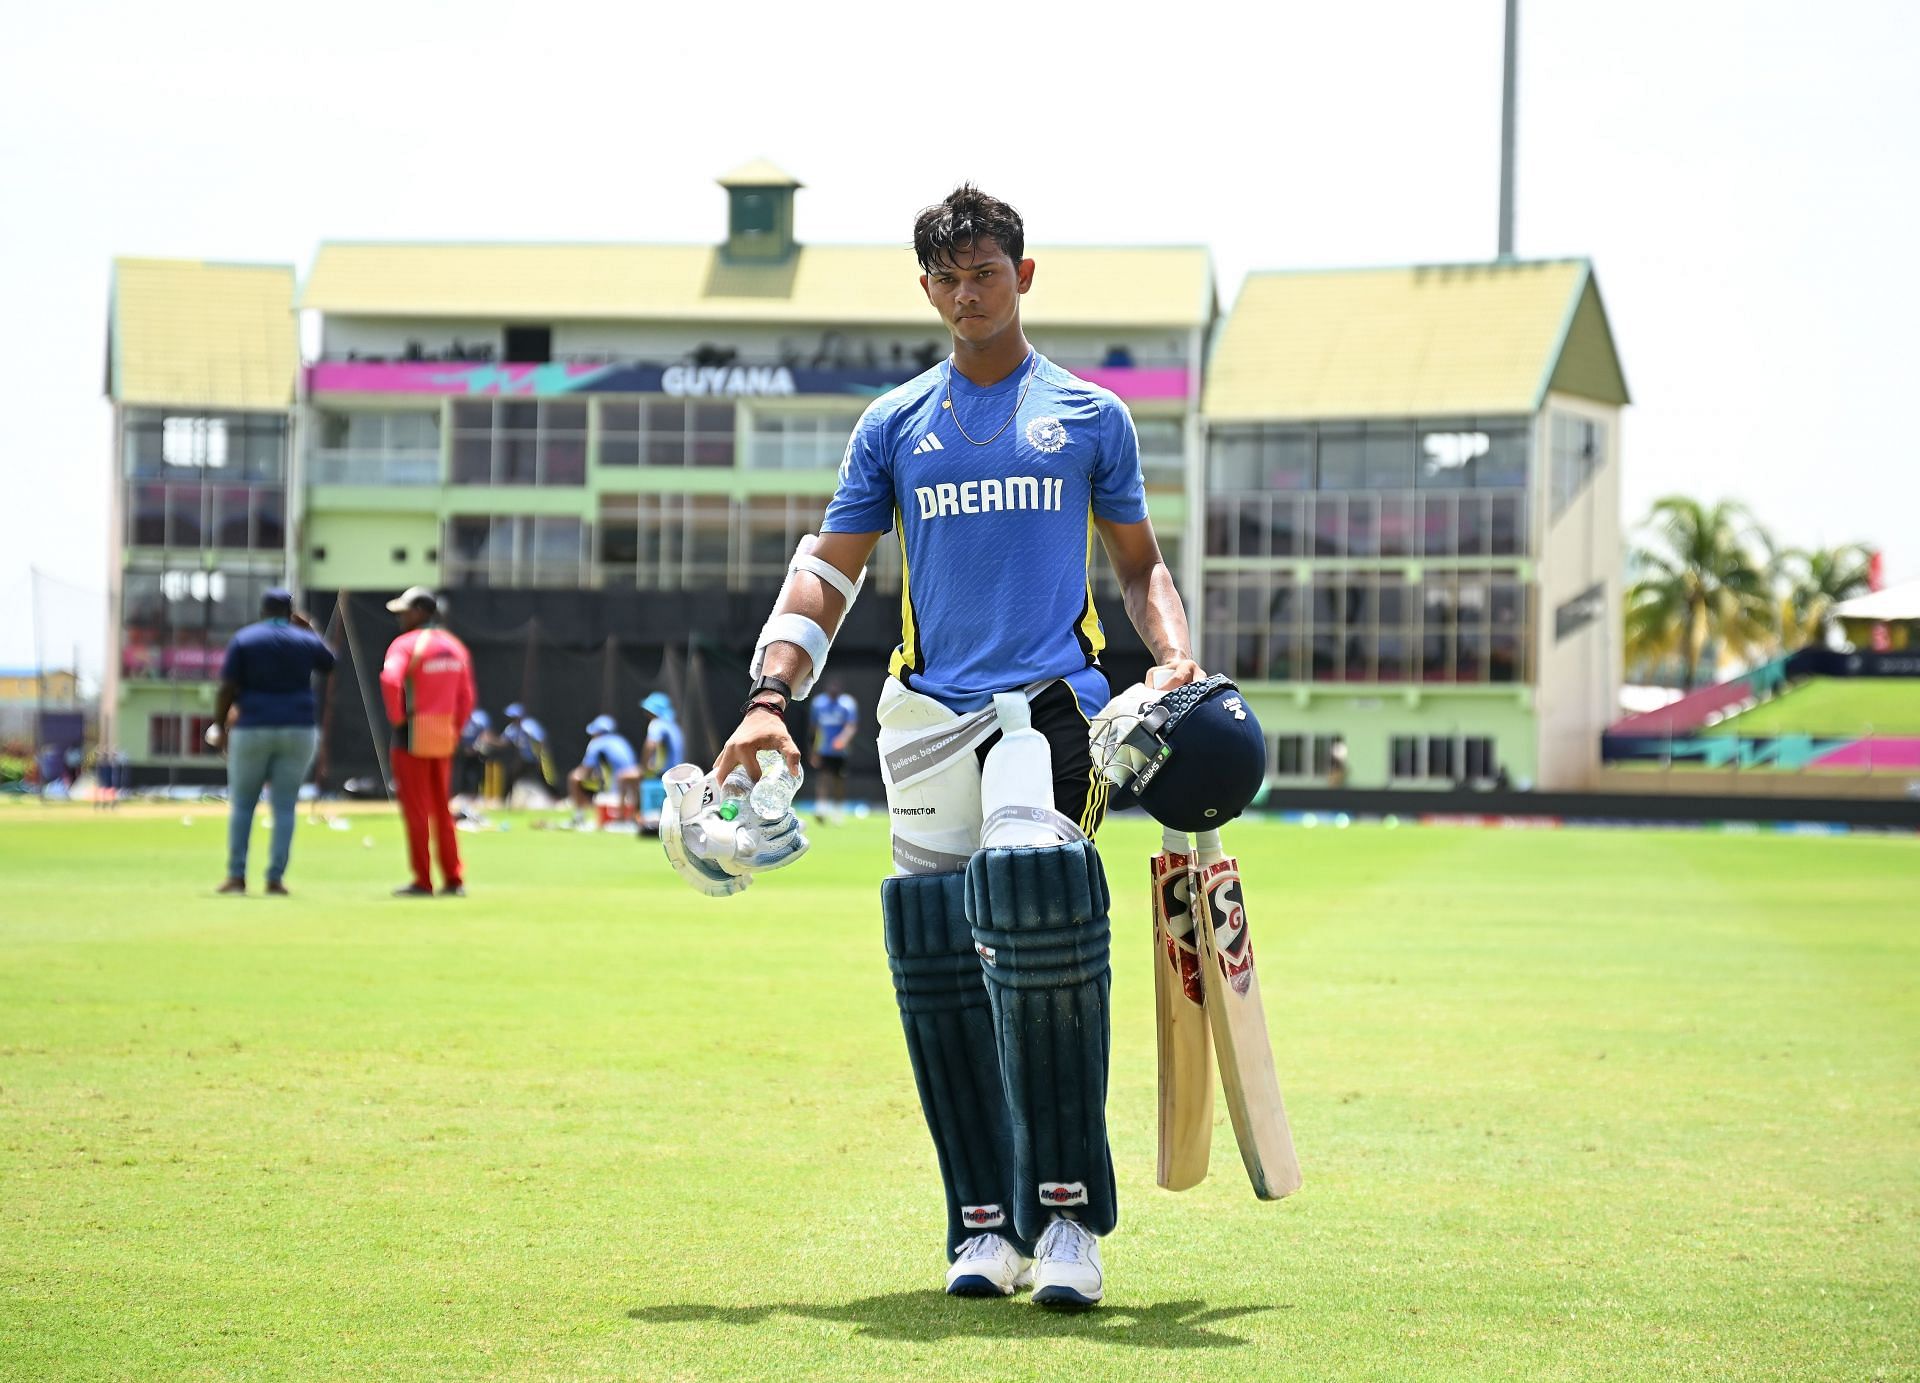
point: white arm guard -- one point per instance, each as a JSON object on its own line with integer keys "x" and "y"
{"x": 798, "y": 629}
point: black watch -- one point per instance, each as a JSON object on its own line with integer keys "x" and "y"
{"x": 767, "y": 684}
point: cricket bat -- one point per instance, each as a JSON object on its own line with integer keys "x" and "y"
{"x": 1180, "y": 1024}
{"x": 1239, "y": 1023}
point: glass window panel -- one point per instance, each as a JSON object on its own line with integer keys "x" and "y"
{"x": 1479, "y": 756}
{"x": 1437, "y": 601}
{"x": 1221, "y": 517}
{"x": 1470, "y": 656}
{"x": 1326, "y": 657}
{"x": 1436, "y": 524}
{"x": 1471, "y": 524}
{"x": 563, "y": 416}
{"x": 415, "y": 432}
{"x": 1363, "y": 525}
{"x": 769, "y": 544}
{"x": 269, "y": 517}
{"x": 1471, "y": 602}
{"x": 147, "y": 515}
{"x": 1343, "y": 463}
{"x": 469, "y": 538}
{"x": 557, "y": 540}
{"x": 1406, "y": 757}
{"x": 1283, "y": 605}
{"x": 473, "y": 415}
{"x": 563, "y": 459}
{"x": 1283, "y": 527}
{"x": 263, "y": 449}
{"x": 1505, "y": 464}
{"x": 1357, "y": 600}
{"x": 1287, "y": 454}
{"x": 1440, "y": 757}
{"x": 1504, "y": 603}
{"x": 1289, "y": 756}
{"x": 1234, "y": 463}
{"x": 1450, "y": 454}
{"x": 619, "y": 416}
{"x": 1250, "y": 599}
{"x": 1395, "y": 602}
{"x": 518, "y": 417}
{"x": 146, "y": 453}
{"x": 666, "y": 449}
{"x": 1329, "y": 526}
{"x": 1251, "y": 540}
{"x": 1395, "y": 663}
{"x": 472, "y": 458}
{"x": 230, "y": 516}
{"x": 363, "y": 431}
{"x": 709, "y": 529}
{"x": 1388, "y": 458}
{"x": 619, "y": 451}
{"x": 1505, "y": 526}
{"x": 1359, "y": 655}
{"x": 619, "y": 540}
{"x": 1503, "y": 658}
{"x": 1398, "y": 532}
{"x": 1283, "y": 654}
{"x": 183, "y": 515}
{"x": 518, "y": 458}
{"x": 1327, "y": 595}
{"x": 504, "y": 542}
{"x": 1434, "y": 663}
{"x": 1247, "y": 660}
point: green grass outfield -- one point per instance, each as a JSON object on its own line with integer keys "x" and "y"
{"x": 1578, "y": 1104}
{"x": 1838, "y": 706}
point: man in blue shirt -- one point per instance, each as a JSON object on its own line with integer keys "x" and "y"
{"x": 267, "y": 675}
{"x": 998, "y": 468}
{"x": 834, "y": 718}
{"x": 665, "y": 746}
{"x": 527, "y": 738}
{"x": 608, "y": 763}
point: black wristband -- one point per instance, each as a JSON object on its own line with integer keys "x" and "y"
{"x": 767, "y": 684}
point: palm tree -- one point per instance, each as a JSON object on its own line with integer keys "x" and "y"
{"x": 1810, "y": 582}
{"x": 1697, "y": 583}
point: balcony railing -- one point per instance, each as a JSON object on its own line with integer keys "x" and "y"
{"x": 375, "y": 468}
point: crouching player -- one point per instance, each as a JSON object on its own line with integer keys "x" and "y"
{"x": 996, "y": 465}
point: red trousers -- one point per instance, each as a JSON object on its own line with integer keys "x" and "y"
{"x": 422, "y": 786}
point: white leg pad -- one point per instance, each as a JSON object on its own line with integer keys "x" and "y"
{"x": 932, "y": 776}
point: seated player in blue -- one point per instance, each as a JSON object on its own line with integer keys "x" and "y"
{"x": 608, "y": 763}
{"x": 664, "y": 746}
{"x": 998, "y": 467}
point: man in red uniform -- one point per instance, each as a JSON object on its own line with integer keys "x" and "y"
{"x": 427, "y": 683}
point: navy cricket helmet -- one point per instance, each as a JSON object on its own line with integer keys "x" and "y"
{"x": 1206, "y": 757}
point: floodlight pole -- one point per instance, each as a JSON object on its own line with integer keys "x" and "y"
{"x": 1506, "y": 130}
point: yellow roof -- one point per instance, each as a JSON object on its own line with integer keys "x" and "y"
{"x": 1443, "y": 340}
{"x": 760, "y": 173}
{"x": 184, "y": 332}
{"x": 844, "y": 284}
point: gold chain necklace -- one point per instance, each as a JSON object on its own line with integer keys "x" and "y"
{"x": 1033, "y": 363}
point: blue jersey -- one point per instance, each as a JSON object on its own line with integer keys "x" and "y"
{"x": 995, "y": 537}
{"x": 272, "y": 664}
{"x": 612, "y": 752}
{"x": 528, "y": 736}
{"x": 831, "y": 716}
{"x": 668, "y": 733}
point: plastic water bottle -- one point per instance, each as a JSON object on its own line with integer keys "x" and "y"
{"x": 772, "y": 796}
{"x": 733, "y": 792}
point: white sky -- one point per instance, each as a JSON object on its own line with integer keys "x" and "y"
{"x": 1745, "y": 175}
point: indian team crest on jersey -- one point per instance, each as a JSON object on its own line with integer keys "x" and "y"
{"x": 1047, "y": 434}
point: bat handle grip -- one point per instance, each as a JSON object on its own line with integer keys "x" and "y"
{"x": 1208, "y": 843}
{"x": 1174, "y": 842}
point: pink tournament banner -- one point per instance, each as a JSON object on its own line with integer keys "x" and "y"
{"x": 1150, "y": 384}
{"x": 1877, "y": 754}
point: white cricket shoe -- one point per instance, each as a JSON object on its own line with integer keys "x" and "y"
{"x": 988, "y": 1266}
{"x": 1066, "y": 1268}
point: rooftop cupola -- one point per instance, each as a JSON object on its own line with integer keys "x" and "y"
{"x": 759, "y": 214}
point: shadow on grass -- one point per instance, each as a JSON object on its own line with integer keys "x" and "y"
{"x": 926, "y": 1316}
